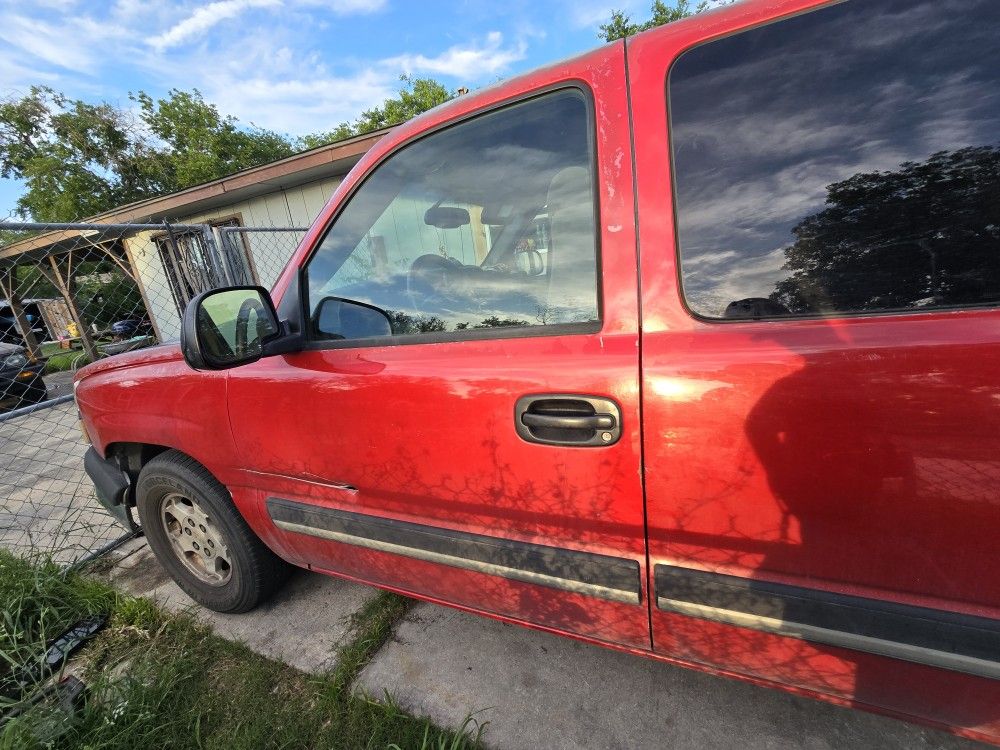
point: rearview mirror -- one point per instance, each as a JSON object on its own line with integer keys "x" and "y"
{"x": 225, "y": 328}
{"x": 446, "y": 217}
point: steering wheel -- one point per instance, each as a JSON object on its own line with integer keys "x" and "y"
{"x": 250, "y": 305}
{"x": 429, "y": 274}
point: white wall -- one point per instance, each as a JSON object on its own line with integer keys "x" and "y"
{"x": 296, "y": 207}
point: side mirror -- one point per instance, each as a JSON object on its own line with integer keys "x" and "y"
{"x": 225, "y": 328}
{"x": 339, "y": 318}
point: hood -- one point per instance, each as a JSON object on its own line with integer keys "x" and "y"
{"x": 167, "y": 352}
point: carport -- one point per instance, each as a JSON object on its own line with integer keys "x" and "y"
{"x": 56, "y": 253}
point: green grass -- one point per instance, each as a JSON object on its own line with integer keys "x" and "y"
{"x": 59, "y": 360}
{"x": 159, "y": 680}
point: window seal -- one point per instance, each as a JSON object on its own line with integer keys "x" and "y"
{"x": 451, "y": 337}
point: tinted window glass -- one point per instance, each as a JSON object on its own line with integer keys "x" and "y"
{"x": 843, "y": 160}
{"x": 488, "y": 224}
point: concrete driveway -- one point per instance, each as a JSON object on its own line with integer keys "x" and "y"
{"x": 534, "y": 689}
{"x": 47, "y": 503}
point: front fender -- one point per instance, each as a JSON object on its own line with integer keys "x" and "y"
{"x": 163, "y": 403}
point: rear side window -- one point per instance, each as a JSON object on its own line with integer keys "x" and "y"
{"x": 842, "y": 161}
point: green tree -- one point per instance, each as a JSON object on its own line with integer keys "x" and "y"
{"x": 78, "y": 159}
{"x": 621, "y": 24}
{"x": 201, "y": 144}
{"x": 417, "y": 95}
{"x": 927, "y": 233}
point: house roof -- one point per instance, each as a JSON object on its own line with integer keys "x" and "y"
{"x": 330, "y": 160}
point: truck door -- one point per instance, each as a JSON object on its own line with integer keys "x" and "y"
{"x": 820, "y": 280}
{"x": 464, "y": 425}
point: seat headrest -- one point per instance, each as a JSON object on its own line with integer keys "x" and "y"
{"x": 570, "y": 187}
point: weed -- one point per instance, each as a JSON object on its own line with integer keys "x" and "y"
{"x": 58, "y": 359}
{"x": 164, "y": 681}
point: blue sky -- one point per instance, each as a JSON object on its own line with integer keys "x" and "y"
{"x": 295, "y": 66}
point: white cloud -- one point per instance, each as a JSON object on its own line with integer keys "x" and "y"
{"x": 280, "y": 87}
{"x": 269, "y": 81}
{"x": 346, "y": 7}
{"x": 203, "y": 19}
{"x": 472, "y": 61}
{"x": 297, "y": 104}
{"x": 58, "y": 5}
{"x": 76, "y": 44}
{"x": 265, "y": 61}
{"x": 41, "y": 41}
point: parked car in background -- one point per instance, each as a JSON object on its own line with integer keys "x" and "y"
{"x": 9, "y": 333}
{"x": 21, "y": 382}
{"x": 688, "y": 346}
{"x": 130, "y": 328}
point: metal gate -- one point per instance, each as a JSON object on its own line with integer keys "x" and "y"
{"x": 74, "y": 293}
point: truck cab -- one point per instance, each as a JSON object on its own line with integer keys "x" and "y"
{"x": 688, "y": 346}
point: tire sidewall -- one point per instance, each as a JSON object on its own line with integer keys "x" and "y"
{"x": 158, "y": 481}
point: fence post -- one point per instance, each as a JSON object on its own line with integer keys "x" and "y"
{"x": 62, "y": 283}
{"x": 8, "y": 282}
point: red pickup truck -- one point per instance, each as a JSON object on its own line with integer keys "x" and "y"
{"x": 688, "y": 346}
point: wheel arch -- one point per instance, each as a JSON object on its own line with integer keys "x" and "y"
{"x": 131, "y": 457}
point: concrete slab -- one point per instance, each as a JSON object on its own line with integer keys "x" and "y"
{"x": 304, "y": 625}
{"x": 59, "y": 383}
{"x": 539, "y": 690}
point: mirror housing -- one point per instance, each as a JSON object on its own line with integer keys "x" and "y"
{"x": 233, "y": 326}
{"x": 341, "y": 318}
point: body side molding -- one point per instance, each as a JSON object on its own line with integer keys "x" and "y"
{"x": 588, "y": 573}
{"x": 937, "y": 638}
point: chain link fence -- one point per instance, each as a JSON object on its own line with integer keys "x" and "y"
{"x": 74, "y": 293}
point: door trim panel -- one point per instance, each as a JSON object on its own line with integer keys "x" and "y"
{"x": 937, "y": 638}
{"x": 601, "y": 576}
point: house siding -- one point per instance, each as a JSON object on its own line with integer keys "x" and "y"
{"x": 292, "y": 207}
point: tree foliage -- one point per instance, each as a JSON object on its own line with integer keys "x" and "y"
{"x": 925, "y": 234}
{"x": 201, "y": 144}
{"x": 415, "y": 96}
{"x": 78, "y": 159}
{"x": 621, "y": 24}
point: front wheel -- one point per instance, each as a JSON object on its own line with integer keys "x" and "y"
{"x": 201, "y": 539}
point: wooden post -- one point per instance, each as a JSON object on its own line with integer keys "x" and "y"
{"x": 63, "y": 283}
{"x": 478, "y": 230}
{"x": 8, "y": 282}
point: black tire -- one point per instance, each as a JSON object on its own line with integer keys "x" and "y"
{"x": 250, "y": 571}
